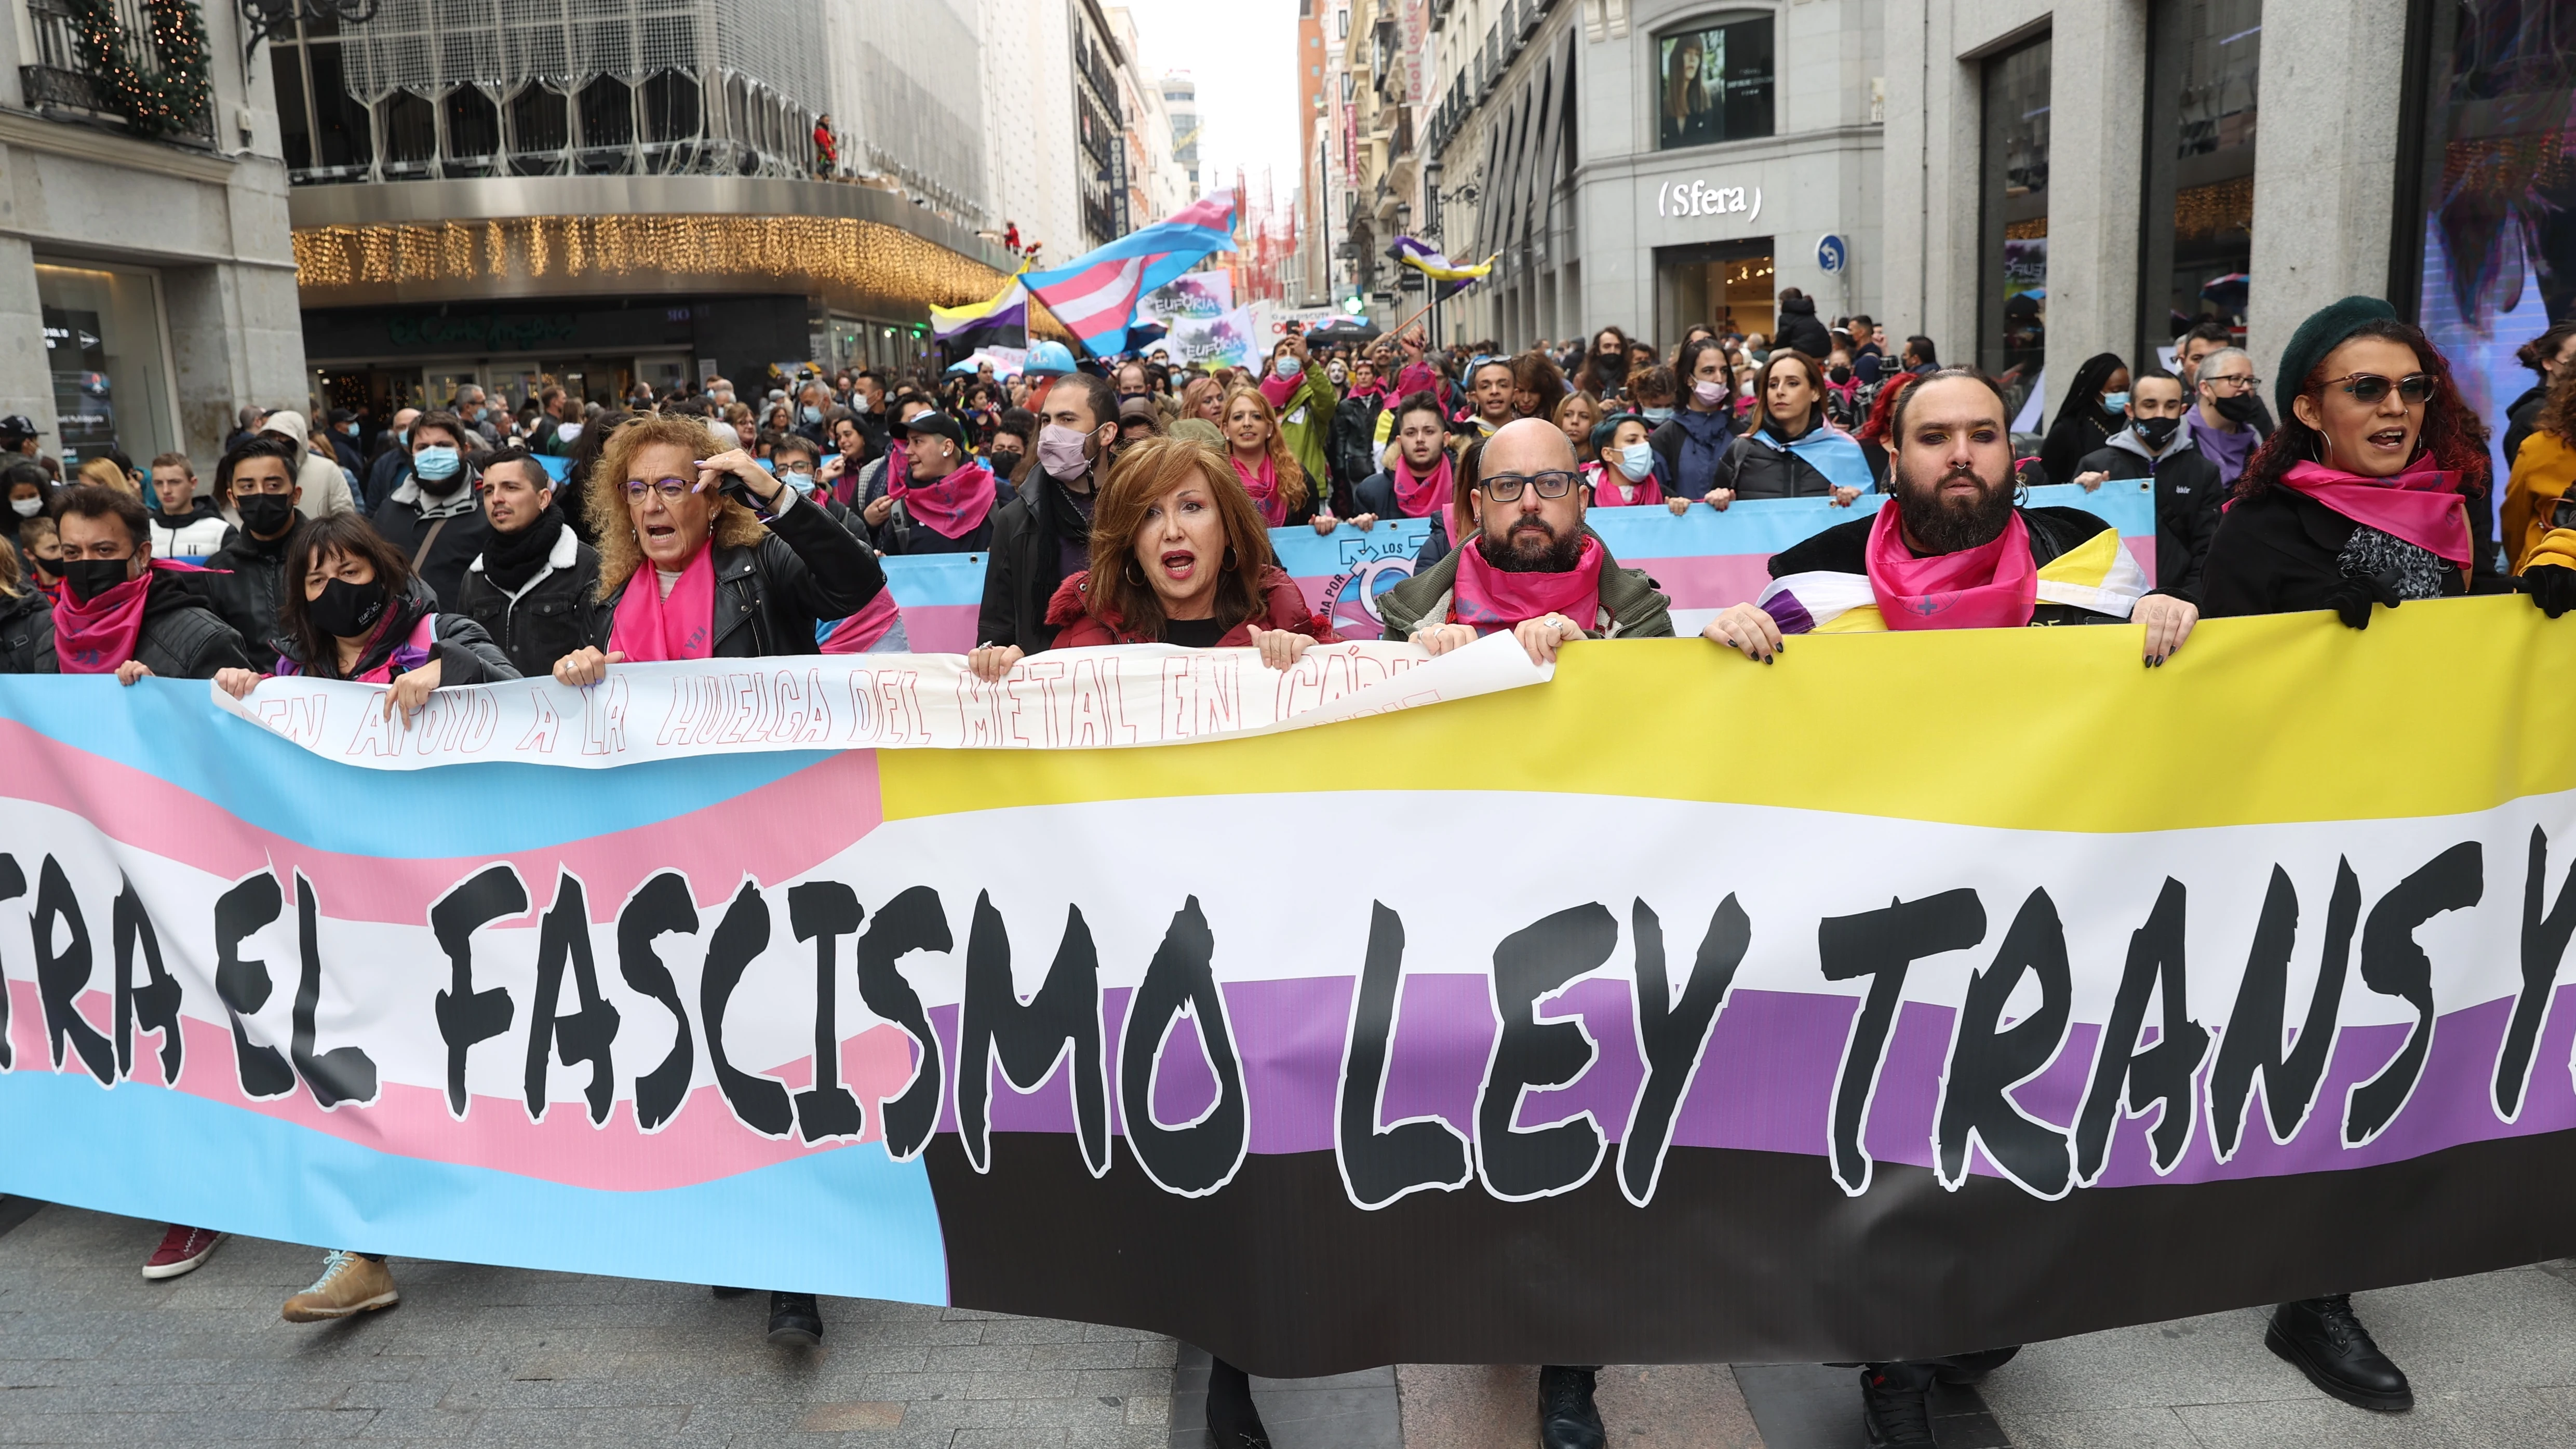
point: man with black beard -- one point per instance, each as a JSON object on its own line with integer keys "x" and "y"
{"x": 1955, "y": 550}
{"x": 1535, "y": 569}
{"x": 434, "y": 513}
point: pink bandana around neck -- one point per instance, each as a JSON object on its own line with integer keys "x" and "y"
{"x": 2422, "y": 505}
{"x": 1490, "y": 598}
{"x": 1611, "y": 488}
{"x": 1992, "y": 586}
{"x": 649, "y": 627}
{"x": 953, "y": 507}
{"x": 1263, "y": 485}
{"x": 1422, "y": 497}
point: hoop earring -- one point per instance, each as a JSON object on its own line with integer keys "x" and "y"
{"x": 1230, "y": 560}
{"x": 1134, "y": 576}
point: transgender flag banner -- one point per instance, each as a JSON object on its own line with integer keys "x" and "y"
{"x": 1983, "y": 945}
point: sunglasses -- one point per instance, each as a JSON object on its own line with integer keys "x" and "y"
{"x": 1505, "y": 487}
{"x": 2414, "y": 389}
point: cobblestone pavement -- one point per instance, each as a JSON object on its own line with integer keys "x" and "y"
{"x": 92, "y": 1354}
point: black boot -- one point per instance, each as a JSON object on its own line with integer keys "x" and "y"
{"x": 1566, "y": 1416}
{"x": 723, "y": 1292}
{"x": 1896, "y": 1405}
{"x": 1232, "y": 1420}
{"x": 2321, "y": 1338}
{"x": 795, "y": 1320}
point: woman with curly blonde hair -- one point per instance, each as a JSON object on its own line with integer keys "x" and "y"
{"x": 1261, "y": 458}
{"x": 1204, "y": 398}
{"x": 707, "y": 555}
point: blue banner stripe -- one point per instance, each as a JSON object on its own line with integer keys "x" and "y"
{"x": 171, "y": 730}
{"x": 848, "y": 1221}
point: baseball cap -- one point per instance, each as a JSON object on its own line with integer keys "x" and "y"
{"x": 933, "y": 422}
{"x": 1138, "y": 409}
{"x": 17, "y": 427}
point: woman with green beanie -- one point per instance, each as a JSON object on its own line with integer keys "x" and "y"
{"x": 2373, "y": 491}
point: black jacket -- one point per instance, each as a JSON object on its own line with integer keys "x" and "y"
{"x": 464, "y": 653}
{"x": 181, "y": 638}
{"x": 1844, "y": 549}
{"x": 2277, "y": 553}
{"x": 1350, "y": 449}
{"x": 2187, "y": 497}
{"x": 550, "y": 615}
{"x": 246, "y": 582}
{"x": 2519, "y": 415}
{"x": 1758, "y": 470}
{"x": 771, "y": 595}
{"x": 439, "y": 547}
{"x": 1026, "y": 564}
{"x": 1799, "y": 329}
{"x": 901, "y": 534}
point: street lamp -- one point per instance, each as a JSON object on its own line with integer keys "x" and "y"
{"x": 269, "y": 19}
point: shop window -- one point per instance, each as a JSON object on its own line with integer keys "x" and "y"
{"x": 1713, "y": 83}
{"x": 2198, "y": 244}
{"x": 111, "y": 379}
{"x": 540, "y": 129}
{"x": 2012, "y": 240}
{"x": 411, "y": 135}
{"x": 473, "y": 132}
{"x": 609, "y": 125}
{"x": 2486, "y": 197}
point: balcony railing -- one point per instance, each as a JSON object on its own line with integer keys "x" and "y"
{"x": 59, "y": 77}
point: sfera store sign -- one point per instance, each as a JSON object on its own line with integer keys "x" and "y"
{"x": 1682, "y": 199}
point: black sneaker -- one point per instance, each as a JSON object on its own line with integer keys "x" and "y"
{"x": 1896, "y": 1405}
{"x": 1233, "y": 1422}
{"x": 2321, "y": 1338}
{"x": 1567, "y": 1418}
{"x": 795, "y": 1320}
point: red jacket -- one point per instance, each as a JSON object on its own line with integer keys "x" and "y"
{"x": 1285, "y": 608}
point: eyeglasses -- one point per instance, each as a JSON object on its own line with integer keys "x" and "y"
{"x": 1504, "y": 487}
{"x": 670, "y": 488}
{"x": 2237, "y": 383}
{"x": 2367, "y": 388}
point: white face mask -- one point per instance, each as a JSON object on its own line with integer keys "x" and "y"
{"x": 27, "y": 507}
{"x": 1636, "y": 460}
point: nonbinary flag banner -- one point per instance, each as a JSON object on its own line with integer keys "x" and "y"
{"x": 1095, "y": 294}
{"x": 1430, "y": 261}
{"x": 1001, "y": 321}
{"x": 1968, "y": 939}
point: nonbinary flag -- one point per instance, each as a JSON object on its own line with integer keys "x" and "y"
{"x": 1095, "y": 294}
{"x": 1002, "y": 321}
{"x": 1428, "y": 260}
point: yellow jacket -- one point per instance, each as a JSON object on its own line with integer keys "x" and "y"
{"x": 2542, "y": 473}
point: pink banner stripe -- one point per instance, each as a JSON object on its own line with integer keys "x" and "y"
{"x": 940, "y": 628}
{"x": 778, "y": 830}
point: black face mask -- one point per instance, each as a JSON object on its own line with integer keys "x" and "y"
{"x": 2241, "y": 409}
{"x": 90, "y": 577}
{"x": 265, "y": 515}
{"x": 1840, "y": 375}
{"x": 345, "y": 610}
{"x": 2156, "y": 432}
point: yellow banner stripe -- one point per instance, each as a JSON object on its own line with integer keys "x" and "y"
{"x": 2440, "y": 708}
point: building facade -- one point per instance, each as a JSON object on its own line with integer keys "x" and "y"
{"x": 147, "y": 284}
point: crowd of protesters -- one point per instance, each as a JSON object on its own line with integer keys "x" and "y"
{"x": 1134, "y": 502}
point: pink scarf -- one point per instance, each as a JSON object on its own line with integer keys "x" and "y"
{"x": 1611, "y": 488}
{"x": 2421, "y": 505}
{"x": 1264, "y": 488}
{"x": 683, "y": 626}
{"x": 955, "y": 506}
{"x": 860, "y": 632}
{"x": 411, "y": 654}
{"x": 1992, "y": 586}
{"x": 1422, "y": 497}
{"x": 1490, "y": 598}
{"x": 97, "y": 636}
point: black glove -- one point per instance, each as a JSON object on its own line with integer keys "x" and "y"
{"x": 2351, "y": 600}
{"x": 2552, "y": 587}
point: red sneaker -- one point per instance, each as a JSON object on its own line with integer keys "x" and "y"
{"x": 181, "y": 1250}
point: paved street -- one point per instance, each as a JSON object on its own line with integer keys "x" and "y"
{"x": 91, "y": 1353}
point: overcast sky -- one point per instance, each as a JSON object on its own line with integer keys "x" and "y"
{"x": 1243, "y": 54}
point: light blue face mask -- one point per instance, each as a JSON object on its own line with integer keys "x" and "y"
{"x": 1636, "y": 460}
{"x": 1288, "y": 365}
{"x": 436, "y": 464}
{"x": 2115, "y": 402}
{"x": 810, "y": 414}
{"x": 1656, "y": 415}
{"x": 803, "y": 483}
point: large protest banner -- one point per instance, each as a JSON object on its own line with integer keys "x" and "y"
{"x": 1922, "y": 992}
{"x": 1704, "y": 559}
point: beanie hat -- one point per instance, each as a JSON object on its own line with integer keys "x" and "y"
{"x": 2326, "y": 329}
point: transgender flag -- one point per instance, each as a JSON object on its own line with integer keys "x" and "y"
{"x": 1095, "y": 294}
